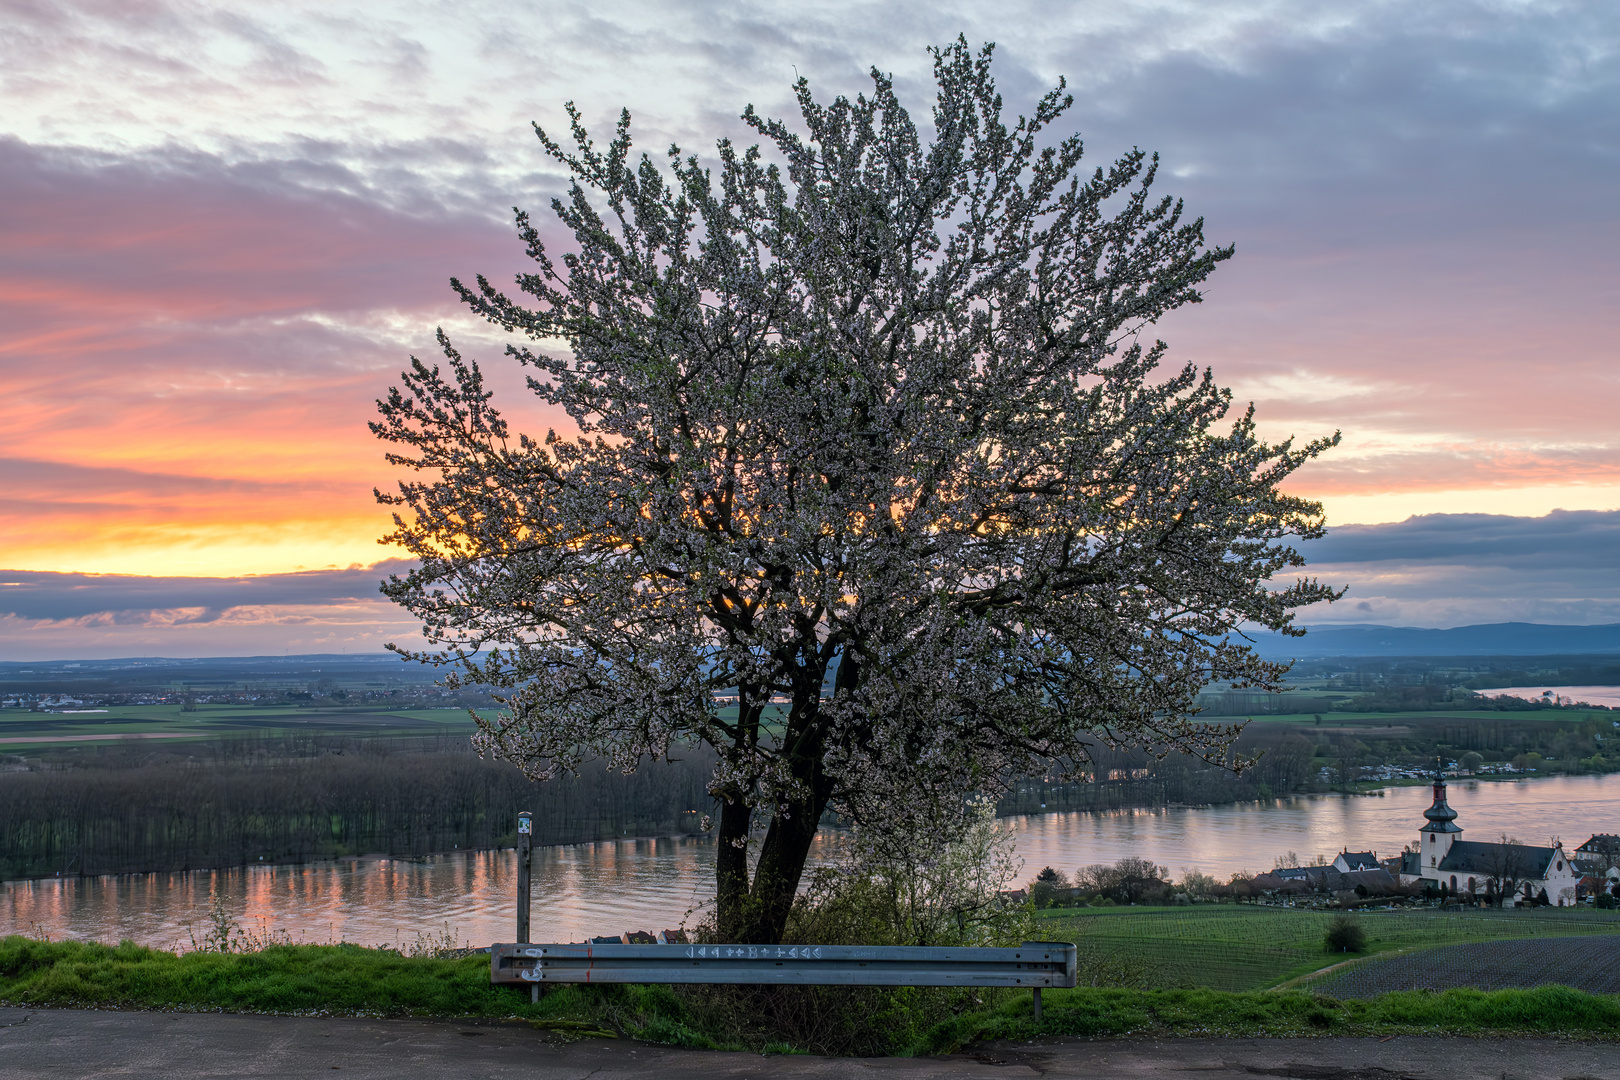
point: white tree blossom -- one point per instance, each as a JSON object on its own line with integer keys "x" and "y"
{"x": 876, "y": 489}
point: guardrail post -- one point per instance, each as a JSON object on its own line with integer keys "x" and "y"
{"x": 1037, "y": 1004}
{"x": 524, "y": 849}
{"x": 525, "y": 838}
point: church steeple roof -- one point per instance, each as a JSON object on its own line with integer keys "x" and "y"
{"x": 1442, "y": 818}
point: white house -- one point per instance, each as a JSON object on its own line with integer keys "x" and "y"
{"x": 1350, "y": 862}
{"x": 1470, "y": 867}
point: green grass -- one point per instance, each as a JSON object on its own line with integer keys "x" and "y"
{"x": 210, "y": 721}
{"x": 341, "y": 979}
{"x": 1243, "y": 947}
{"x": 294, "y": 978}
{"x": 1551, "y": 1010}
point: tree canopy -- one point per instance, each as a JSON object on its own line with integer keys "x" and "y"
{"x": 877, "y": 488}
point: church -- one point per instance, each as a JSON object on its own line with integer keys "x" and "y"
{"x": 1472, "y": 868}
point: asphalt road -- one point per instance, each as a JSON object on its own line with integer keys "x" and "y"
{"x": 183, "y": 1046}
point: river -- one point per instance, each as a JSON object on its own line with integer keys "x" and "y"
{"x": 605, "y": 888}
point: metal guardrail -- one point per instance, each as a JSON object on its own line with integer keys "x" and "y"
{"x": 1033, "y": 965}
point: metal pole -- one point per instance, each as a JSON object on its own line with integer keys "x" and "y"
{"x": 1037, "y": 1004}
{"x": 525, "y": 838}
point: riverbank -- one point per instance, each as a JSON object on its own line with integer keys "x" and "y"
{"x": 613, "y": 886}
{"x": 350, "y": 981}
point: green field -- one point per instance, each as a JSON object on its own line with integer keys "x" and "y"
{"x": 1335, "y": 719}
{"x": 866, "y": 1021}
{"x": 1240, "y": 947}
{"x": 20, "y": 730}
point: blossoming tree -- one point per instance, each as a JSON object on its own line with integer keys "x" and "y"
{"x": 876, "y": 489}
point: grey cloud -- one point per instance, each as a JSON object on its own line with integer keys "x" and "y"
{"x": 1563, "y": 539}
{"x": 1461, "y": 569}
{"x": 1287, "y": 113}
{"x": 1563, "y": 567}
{"x": 1446, "y": 137}
{"x": 1418, "y": 122}
{"x": 1381, "y": 125}
{"x": 33, "y": 594}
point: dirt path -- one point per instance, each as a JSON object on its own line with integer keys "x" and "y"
{"x": 183, "y": 1046}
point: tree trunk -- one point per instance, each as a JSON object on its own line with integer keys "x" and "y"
{"x": 781, "y": 867}
{"x": 731, "y": 869}
{"x": 757, "y": 913}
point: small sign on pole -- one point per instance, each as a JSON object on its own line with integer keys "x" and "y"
{"x": 525, "y": 840}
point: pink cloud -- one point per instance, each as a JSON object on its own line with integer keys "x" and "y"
{"x": 1456, "y": 363}
{"x": 188, "y": 237}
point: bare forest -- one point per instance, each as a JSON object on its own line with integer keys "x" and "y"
{"x": 295, "y": 801}
{"x": 286, "y": 800}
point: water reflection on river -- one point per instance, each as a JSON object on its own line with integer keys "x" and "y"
{"x": 586, "y": 889}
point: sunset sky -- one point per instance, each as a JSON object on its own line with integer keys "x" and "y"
{"x": 226, "y": 227}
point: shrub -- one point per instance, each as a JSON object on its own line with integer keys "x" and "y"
{"x": 1049, "y": 888}
{"x": 921, "y": 889}
{"x": 1198, "y": 886}
{"x": 1344, "y": 934}
{"x": 1128, "y": 881}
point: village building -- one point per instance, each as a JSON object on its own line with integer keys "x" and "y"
{"x": 1359, "y": 882}
{"x": 1602, "y": 850}
{"x": 1349, "y": 862}
{"x": 1599, "y": 860}
{"x": 1474, "y": 868}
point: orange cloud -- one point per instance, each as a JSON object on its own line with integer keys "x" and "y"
{"x": 192, "y": 357}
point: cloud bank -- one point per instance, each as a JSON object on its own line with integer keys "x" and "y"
{"x": 1439, "y": 570}
{"x": 1445, "y": 570}
{"x": 53, "y": 597}
{"x": 46, "y": 615}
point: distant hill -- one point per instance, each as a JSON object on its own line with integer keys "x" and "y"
{"x": 1322, "y": 641}
{"x": 1490, "y": 639}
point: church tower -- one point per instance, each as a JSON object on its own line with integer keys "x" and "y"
{"x": 1435, "y": 838}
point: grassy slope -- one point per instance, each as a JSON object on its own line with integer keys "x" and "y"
{"x": 347, "y": 979}
{"x": 1103, "y": 1013}
{"x": 280, "y": 979}
{"x": 1240, "y": 947}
